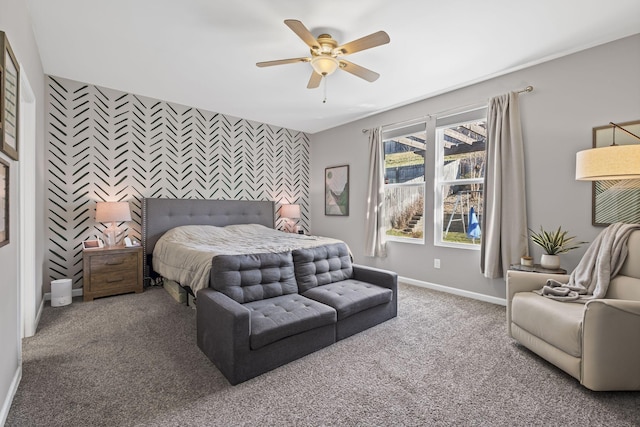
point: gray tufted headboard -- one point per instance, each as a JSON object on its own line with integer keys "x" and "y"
{"x": 160, "y": 215}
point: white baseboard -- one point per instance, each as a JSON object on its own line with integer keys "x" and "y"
{"x": 39, "y": 314}
{"x": 11, "y": 393}
{"x": 407, "y": 280}
{"x": 455, "y": 291}
{"x": 74, "y": 293}
{"x": 31, "y": 331}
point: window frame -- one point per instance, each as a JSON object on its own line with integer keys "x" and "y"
{"x": 439, "y": 182}
{"x": 398, "y": 131}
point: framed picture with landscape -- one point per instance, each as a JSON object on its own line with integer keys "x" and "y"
{"x": 9, "y": 99}
{"x": 615, "y": 200}
{"x": 4, "y": 203}
{"x": 336, "y": 190}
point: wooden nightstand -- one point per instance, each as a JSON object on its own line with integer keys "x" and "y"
{"x": 111, "y": 271}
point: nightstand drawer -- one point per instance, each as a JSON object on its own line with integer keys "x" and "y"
{"x": 111, "y": 280}
{"x": 113, "y": 262}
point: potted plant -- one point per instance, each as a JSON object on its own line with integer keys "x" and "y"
{"x": 554, "y": 243}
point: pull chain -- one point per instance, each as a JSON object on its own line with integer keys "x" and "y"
{"x": 324, "y": 78}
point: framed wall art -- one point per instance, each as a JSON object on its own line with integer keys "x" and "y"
{"x": 615, "y": 200}
{"x": 4, "y": 203}
{"x": 9, "y": 99}
{"x": 92, "y": 244}
{"x": 336, "y": 190}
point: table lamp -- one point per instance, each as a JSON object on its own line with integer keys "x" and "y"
{"x": 112, "y": 212}
{"x": 289, "y": 213}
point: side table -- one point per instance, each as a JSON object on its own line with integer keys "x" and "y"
{"x": 536, "y": 268}
{"x": 111, "y": 271}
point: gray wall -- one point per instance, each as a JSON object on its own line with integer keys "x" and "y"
{"x": 571, "y": 95}
{"x": 15, "y": 21}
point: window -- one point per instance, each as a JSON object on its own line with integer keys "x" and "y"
{"x": 404, "y": 168}
{"x": 460, "y": 166}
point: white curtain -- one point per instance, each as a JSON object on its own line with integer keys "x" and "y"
{"x": 374, "y": 234}
{"x": 504, "y": 223}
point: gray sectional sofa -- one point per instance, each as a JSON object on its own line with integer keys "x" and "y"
{"x": 265, "y": 310}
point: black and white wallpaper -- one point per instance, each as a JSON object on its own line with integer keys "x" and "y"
{"x": 107, "y": 145}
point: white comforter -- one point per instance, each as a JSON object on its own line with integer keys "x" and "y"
{"x": 184, "y": 254}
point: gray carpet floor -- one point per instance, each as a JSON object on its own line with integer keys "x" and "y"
{"x": 132, "y": 360}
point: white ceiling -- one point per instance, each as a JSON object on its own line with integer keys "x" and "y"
{"x": 202, "y": 53}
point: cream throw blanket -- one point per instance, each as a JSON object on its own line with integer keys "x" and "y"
{"x": 601, "y": 262}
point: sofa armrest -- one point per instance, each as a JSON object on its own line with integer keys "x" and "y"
{"x": 610, "y": 345}
{"x": 526, "y": 281}
{"x": 383, "y": 278}
{"x": 376, "y": 276}
{"x": 223, "y": 327}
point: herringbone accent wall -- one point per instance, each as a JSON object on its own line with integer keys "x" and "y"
{"x": 106, "y": 145}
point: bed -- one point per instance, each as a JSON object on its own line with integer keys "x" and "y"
{"x": 181, "y": 236}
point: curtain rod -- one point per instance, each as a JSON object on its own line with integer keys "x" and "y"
{"x": 417, "y": 119}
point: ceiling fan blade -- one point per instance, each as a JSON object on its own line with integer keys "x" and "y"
{"x": 366, "y": 42}
{"x": 314, "y": 81}
{"x": 302, "y": 32}
{"x": 357, "y": 70}
{"x": 282, "y": 61}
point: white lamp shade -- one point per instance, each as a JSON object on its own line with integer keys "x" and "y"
{"x": 324, "y": 64}
{"x": 290, "y": 211}
{"x": 113, "y": 212}
{"x": 607, "y": 163}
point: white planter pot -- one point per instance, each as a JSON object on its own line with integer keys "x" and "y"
{"x": 551, "y": 262}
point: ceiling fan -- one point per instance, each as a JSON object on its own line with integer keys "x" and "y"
{"x": 326, "y": 54}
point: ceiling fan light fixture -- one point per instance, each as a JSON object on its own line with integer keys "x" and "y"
{"x": 324, "y": 64}
{"x": 326, "y": 54}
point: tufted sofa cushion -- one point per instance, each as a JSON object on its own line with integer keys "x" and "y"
{"x": 246, "y": 278}
{"x": 322, "y": 265}
{"x": 285, "y": 316}
{"x": 350, "y": 296}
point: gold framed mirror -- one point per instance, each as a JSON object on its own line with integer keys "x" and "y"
{"x": 9, "y": 99}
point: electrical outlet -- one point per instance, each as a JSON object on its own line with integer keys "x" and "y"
{"x": 436, "y": 263}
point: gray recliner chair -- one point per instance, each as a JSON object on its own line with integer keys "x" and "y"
{"x": 598, "y": 343}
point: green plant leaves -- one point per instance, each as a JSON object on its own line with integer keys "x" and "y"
{"x": 554, "y": 242}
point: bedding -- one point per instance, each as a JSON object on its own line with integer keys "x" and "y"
{"x": 184, "y": 254}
